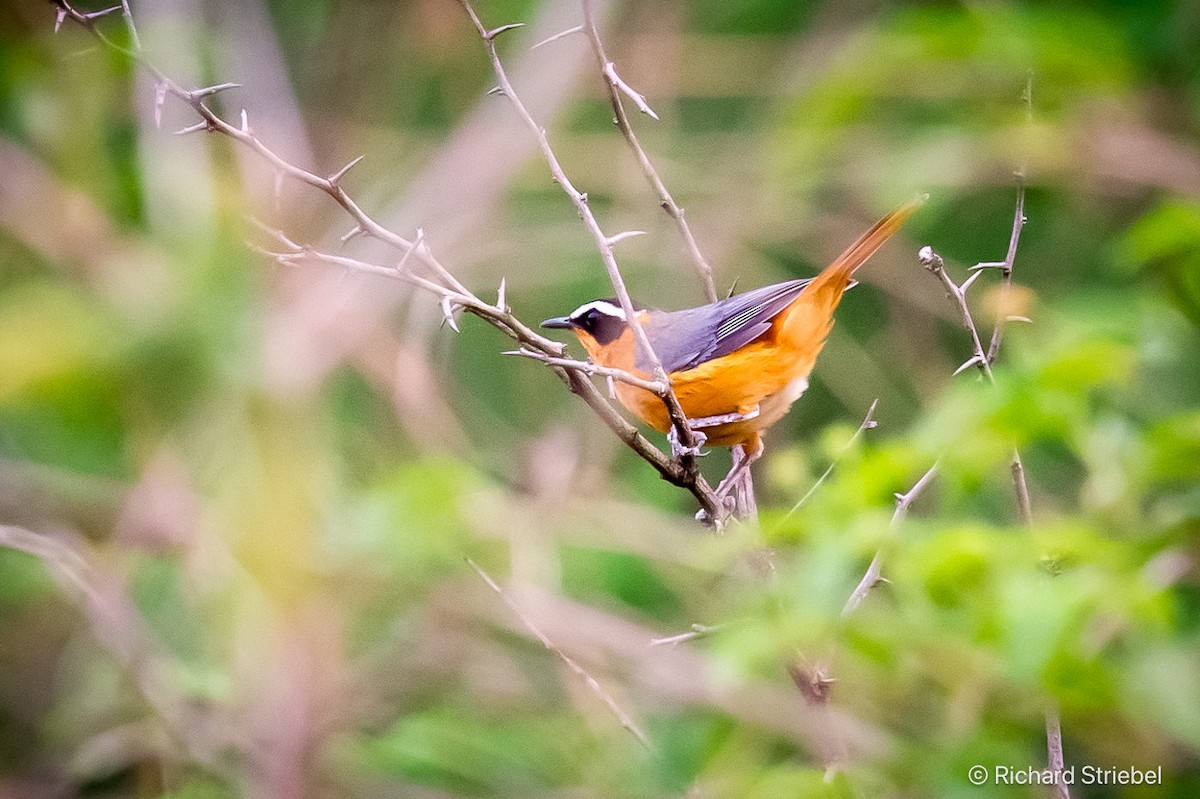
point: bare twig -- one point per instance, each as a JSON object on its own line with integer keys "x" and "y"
{"x": 588, "y": 367}
{"x": 934, "y": 263}
{"x": 593, "y": 685}
{"x": 697, "y": 631}
{"x": 1013, "y": 240}
{"x": 872, "y": 576}
{"x": 868, "y": 423}
{"x": 616, "y": 87}
{"x": 983, "y": 360}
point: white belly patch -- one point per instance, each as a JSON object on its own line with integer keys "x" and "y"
{"x": 792, "y": 391}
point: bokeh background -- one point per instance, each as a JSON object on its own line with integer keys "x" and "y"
{"x": 238, "y": 500}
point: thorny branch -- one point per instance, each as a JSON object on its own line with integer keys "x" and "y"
{"x": 688, "y": 439}
{"x": 815, "y": 681}
{"x": 243, "y": 133}
{"x": 616, "y": 87}
{"x": 745, "y": 504}
{"x": 453, "y": 295}
{"x": 982, "y": 359}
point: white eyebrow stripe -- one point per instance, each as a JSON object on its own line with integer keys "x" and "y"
{"x": 602, "y": 306}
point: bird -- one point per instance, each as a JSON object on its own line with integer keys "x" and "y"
{"x": 736, "y": 365}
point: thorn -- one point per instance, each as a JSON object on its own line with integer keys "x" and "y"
{"x": 208, "y": 91}
{"x": 881, "y": 580}
{"x": 354, "y": 231}
{"x": 610, "y": 72}
{"x": 418, "y": 242}
{"x": 500, "y": 304}
{"x": 495, "y": 91}
{"x": 199, "y": 126}
{"x": 160, "y": 97}
{"x": 989, "y": 265}
{"x": 612, "y": 387}
{"x": 1024, "y": 319}
{"x": 966, "y": 284}
{"x": 557, "y": 36}
{"x": 582, "y": 196}
{"x": 246, "y": 123}
{"x": 628, "y": 234}
{"x": 58, "y": 19}
{"x": 974, "y": 360}
{"x": 336, "y": 176}
{"x": 871, "y": 424}
{"x": 279, "y": 236}
{"x": 102, "y": 13}
{"x": 403, "y": 262}
{"x": 494, "y": 32}
{"x": 899, "y": 497}
{"x": 448, "y": 314}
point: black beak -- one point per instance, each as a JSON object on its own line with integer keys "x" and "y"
{"x": 559, "y": 323}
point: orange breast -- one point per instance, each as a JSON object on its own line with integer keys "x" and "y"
{"x": 768, "y": 374}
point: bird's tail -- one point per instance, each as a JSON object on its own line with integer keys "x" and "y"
{"x": 837, "y": 275}
{"x": 805, "y": 324}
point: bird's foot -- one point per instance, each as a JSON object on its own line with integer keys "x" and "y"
{"x": 678, "y": 450}
{"x": 707, "y": 519}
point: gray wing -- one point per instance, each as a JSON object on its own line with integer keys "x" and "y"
{"x": 685, "y": 339}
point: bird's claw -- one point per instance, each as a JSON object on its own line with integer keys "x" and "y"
{"x": 706, "y": 518}
{"x": 678, "y": 450}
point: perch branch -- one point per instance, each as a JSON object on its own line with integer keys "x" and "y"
{"x": 504, "y": 320}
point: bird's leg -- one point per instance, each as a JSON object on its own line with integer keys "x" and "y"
{"x": 738, "y": 471}
{"x": 745, "y": 505}
{"x": 678, "y": 450}
{"x": 738, "y": 482}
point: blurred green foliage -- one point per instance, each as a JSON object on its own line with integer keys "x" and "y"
{"x": 253, "y": 491}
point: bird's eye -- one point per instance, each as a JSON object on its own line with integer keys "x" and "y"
{"x": 592, "y": 317}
